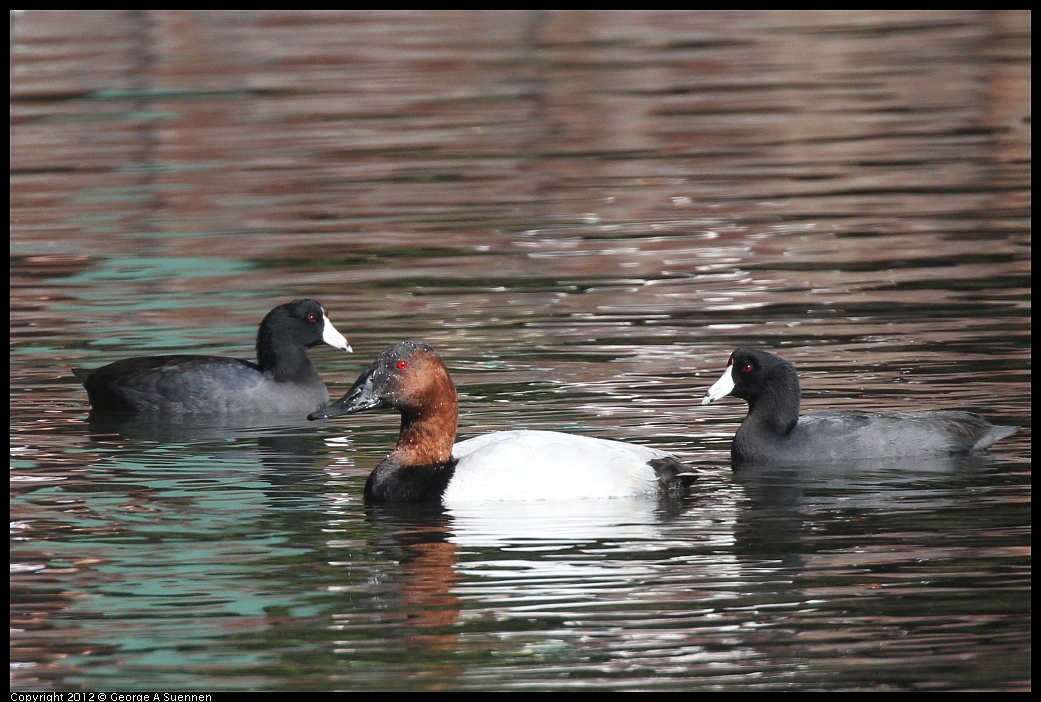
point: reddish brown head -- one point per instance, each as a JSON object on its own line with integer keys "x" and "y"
{"x": 411, "y": 378}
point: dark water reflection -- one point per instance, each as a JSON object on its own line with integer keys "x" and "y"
{"x": 585, "y": 212}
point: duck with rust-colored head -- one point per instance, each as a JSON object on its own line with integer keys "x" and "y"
{"x": 427, "y": 465}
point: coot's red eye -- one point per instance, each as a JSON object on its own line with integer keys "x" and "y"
{"x": 747, "y": 367}
{"x": 402, "y": 365}
{"x": 311, "y": 318}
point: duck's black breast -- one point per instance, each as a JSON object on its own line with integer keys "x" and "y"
{"x": 391, "y": 481}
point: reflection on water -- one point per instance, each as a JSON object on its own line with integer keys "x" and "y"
{"x": 585, "y": 212}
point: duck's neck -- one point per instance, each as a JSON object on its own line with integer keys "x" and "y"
{"x": 427, "y": 436}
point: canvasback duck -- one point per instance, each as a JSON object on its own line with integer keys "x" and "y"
{"x": 410, "y": 377}
{"x": 283, "y": 381}
{"x": 773, "y": 431}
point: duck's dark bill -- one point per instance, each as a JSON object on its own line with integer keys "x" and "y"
{"x": 358, "y": 399}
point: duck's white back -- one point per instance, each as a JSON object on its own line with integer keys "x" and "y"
{"x": 547, "y": 465}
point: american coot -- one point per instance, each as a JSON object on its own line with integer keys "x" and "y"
{"x": 773, "y": 431}
{"x": 283, "y": 381}
{"x": 411, "y": 378}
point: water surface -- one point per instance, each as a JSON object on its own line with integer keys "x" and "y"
{"x": 585, "y": 213}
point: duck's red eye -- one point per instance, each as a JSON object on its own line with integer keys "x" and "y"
{"x": 402, "y": 365}
{"x": 747, "y": 367}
